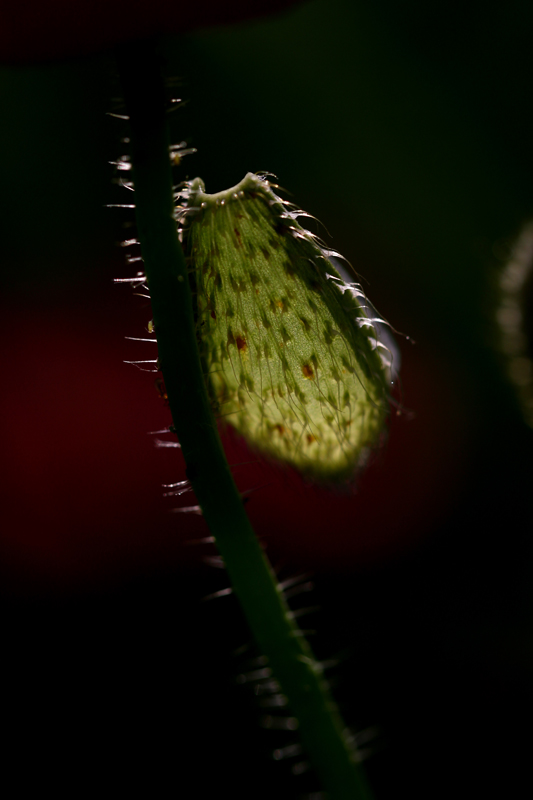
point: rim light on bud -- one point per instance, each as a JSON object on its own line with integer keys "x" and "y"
{"x": 291, "y": 353}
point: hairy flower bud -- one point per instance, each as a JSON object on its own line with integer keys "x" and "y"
{"x": 291, "y": 352}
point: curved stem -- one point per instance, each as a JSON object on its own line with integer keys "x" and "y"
{"x": 252, "y": 578}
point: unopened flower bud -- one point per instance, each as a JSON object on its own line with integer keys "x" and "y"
{"x": 291, "y": 353}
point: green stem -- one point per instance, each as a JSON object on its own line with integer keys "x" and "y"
{"x": 252, "y": 578}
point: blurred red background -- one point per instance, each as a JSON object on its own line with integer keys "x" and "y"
{"x": 81, "y": 483}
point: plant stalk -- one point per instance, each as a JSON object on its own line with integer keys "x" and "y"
{"x": 252, "y": 578}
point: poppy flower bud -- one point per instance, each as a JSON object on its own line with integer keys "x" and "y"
{"x": 292, "y": 354}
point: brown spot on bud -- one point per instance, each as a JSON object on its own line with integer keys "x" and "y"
{"x": 240, "y": 341}
{"x": 308, "y": 372}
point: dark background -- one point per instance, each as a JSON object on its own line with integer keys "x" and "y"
{"x": 407, "y": 132}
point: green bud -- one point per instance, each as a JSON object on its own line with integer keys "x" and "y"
{"x": 291, "y": 352}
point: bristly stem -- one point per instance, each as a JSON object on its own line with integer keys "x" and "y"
{"x": 253, "y": 581}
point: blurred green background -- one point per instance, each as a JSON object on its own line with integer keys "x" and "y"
{"x": 407, "y": 131}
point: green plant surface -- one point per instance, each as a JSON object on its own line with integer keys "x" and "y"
{"x": 293, "y": 360}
